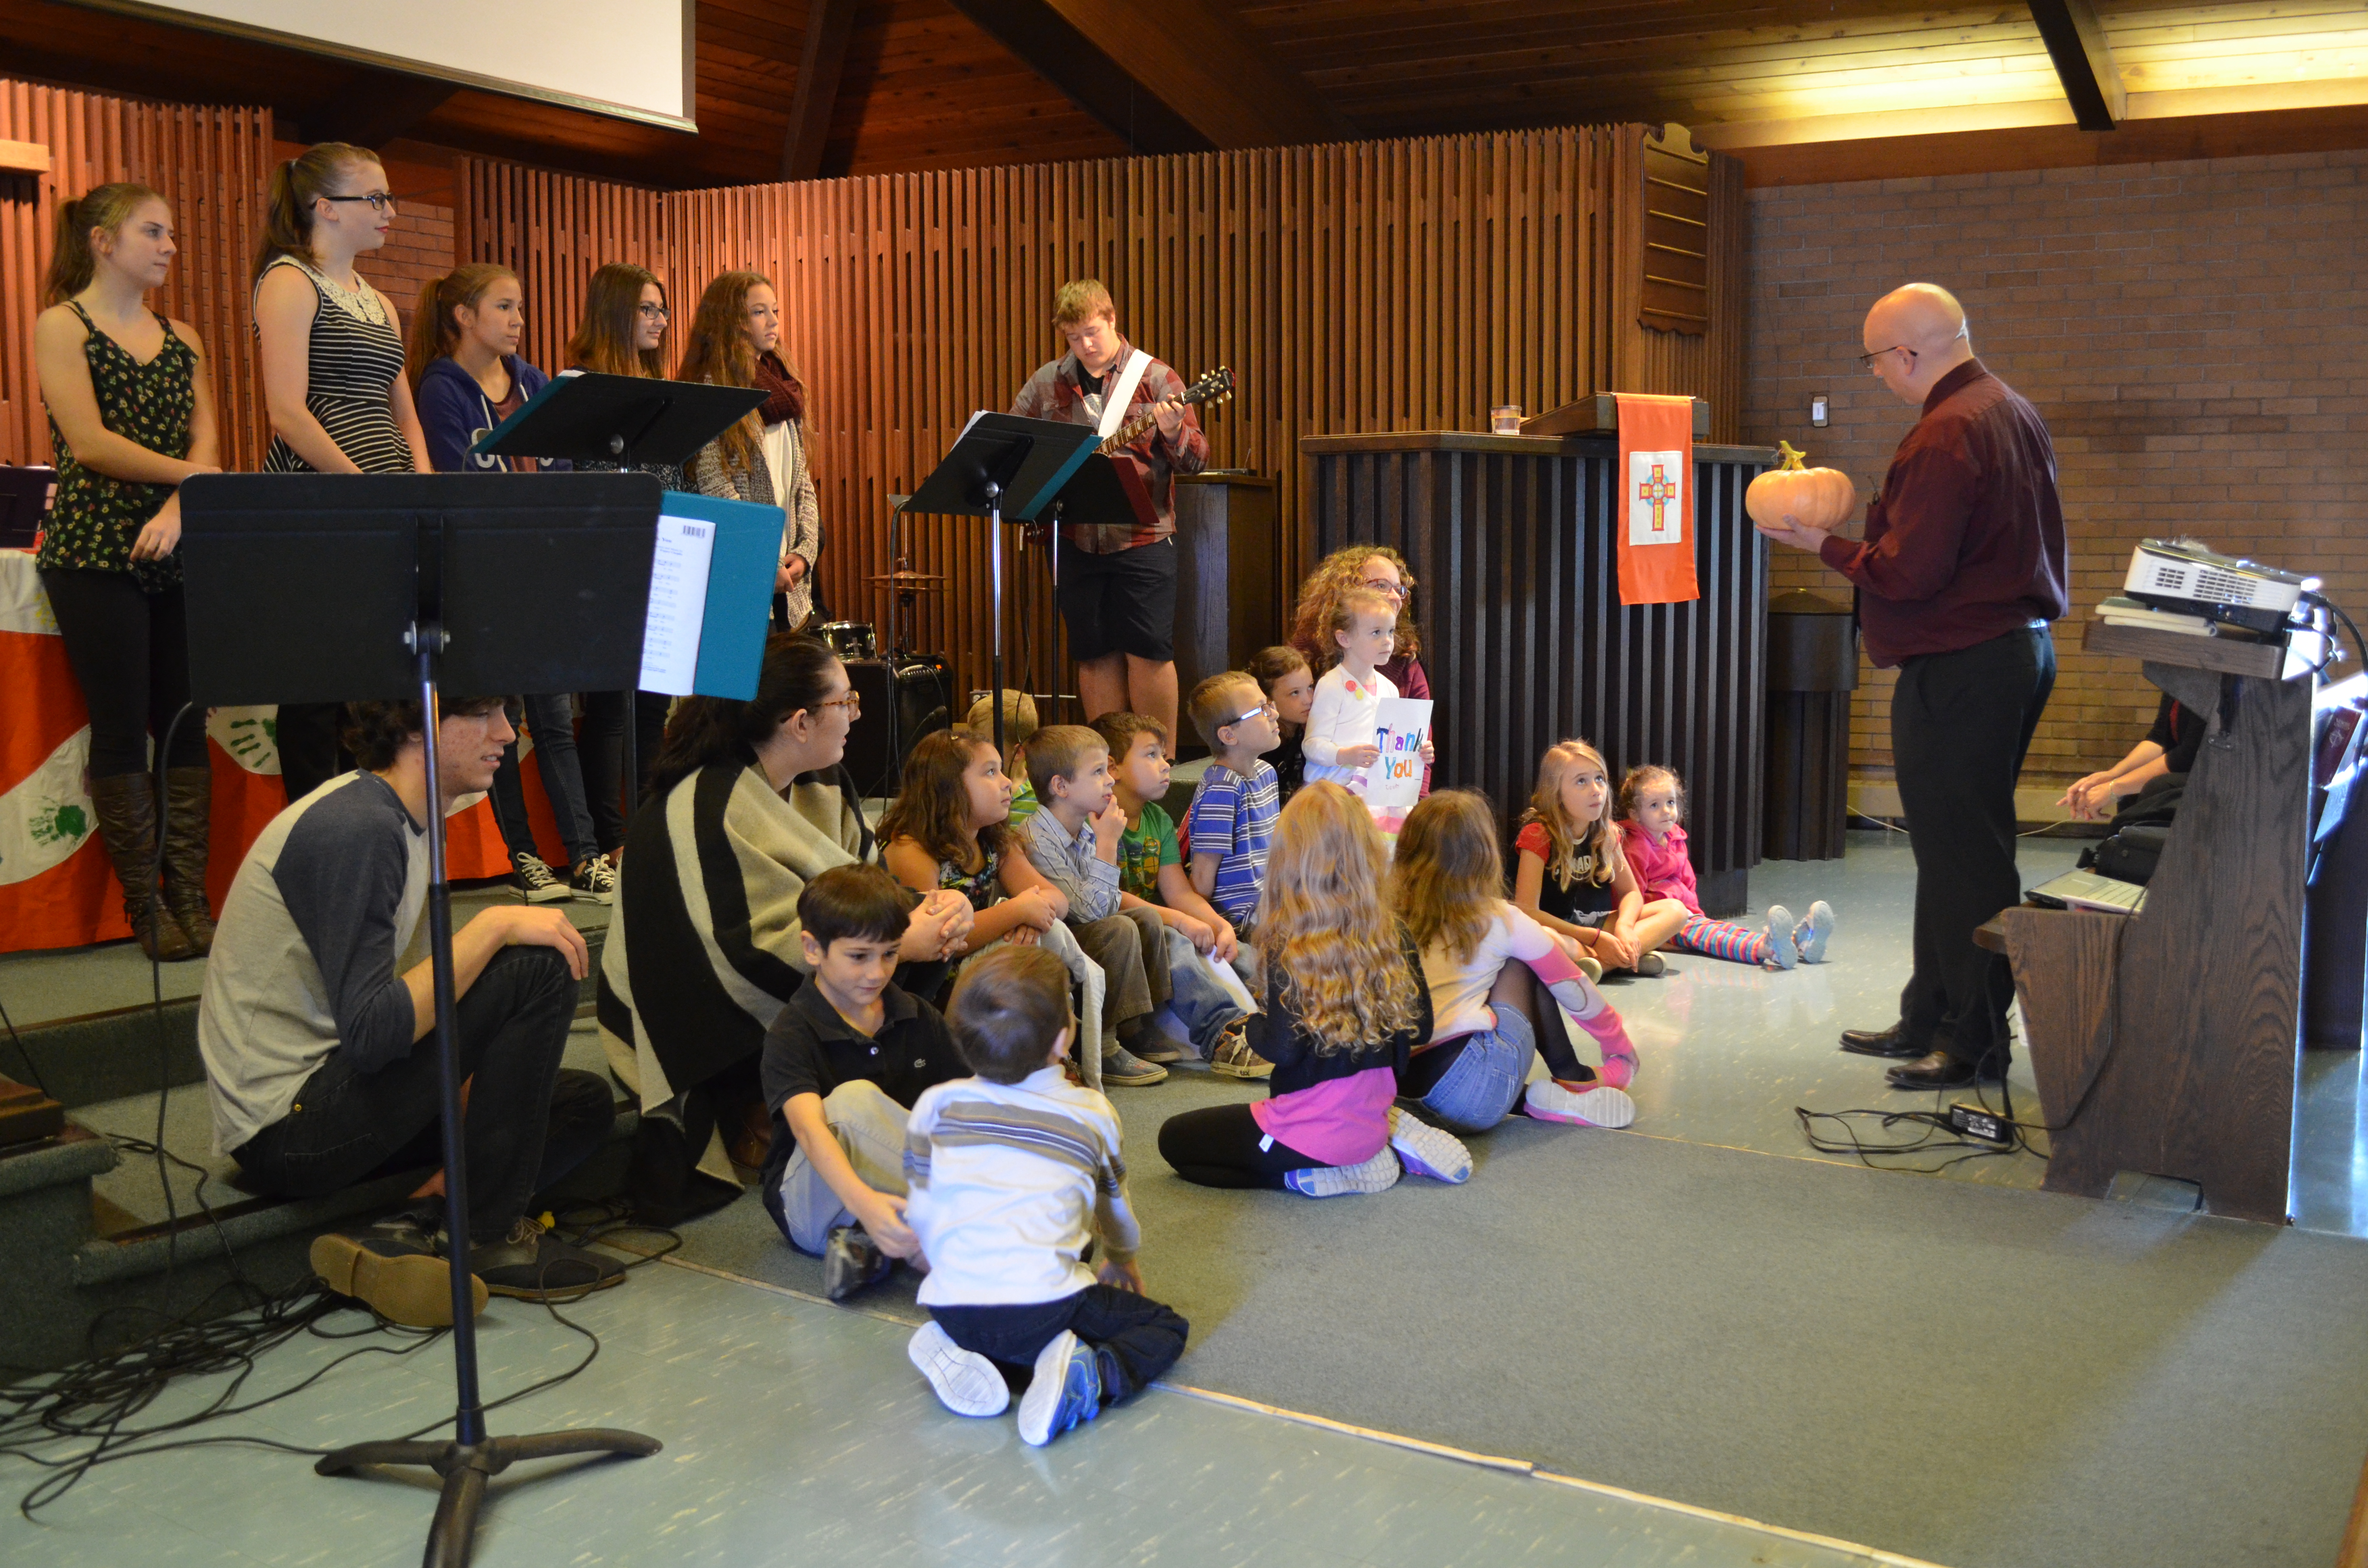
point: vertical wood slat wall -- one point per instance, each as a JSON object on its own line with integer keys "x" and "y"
{"x": 1382, "y": 285}
{"x": 212, "y": 163}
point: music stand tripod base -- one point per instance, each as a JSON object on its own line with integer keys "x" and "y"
{"x": 467, "y": 1467}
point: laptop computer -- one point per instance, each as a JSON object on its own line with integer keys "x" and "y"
{"x": 2087, "y": 890}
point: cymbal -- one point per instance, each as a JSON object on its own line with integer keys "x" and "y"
{"x": 913, "y": 580}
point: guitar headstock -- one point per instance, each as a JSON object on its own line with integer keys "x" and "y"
{"x": 1215, "y": 387}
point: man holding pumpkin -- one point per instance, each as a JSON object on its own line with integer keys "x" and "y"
{"x": 1961, "y": 568}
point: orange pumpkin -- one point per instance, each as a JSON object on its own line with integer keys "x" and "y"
{"x": 1813, "y": 497}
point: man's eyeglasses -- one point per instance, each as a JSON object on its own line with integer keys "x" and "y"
{"x": 380, "y": 200}
{"x": 1387, "y": 590}
{"x": 650, "y": 312}
{"x": 1266, "y": 708}
{"x": 1866, "y": 361}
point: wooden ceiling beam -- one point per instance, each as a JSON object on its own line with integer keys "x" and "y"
{"x": 1175, "y": 77}
{"x": 375, "y": 110}
{"x": 822, "y": 58}
{"x": 2075, "y": 42}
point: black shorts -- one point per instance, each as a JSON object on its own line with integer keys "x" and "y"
{"x": 1120, "y": 603}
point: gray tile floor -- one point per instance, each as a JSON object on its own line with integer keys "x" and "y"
{"x": 797, "y": 1431}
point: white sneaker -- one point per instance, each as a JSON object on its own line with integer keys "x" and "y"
{"x": 1426, "y": 1150}
{"x": 1377, "y": 1175}
{"x": 1600, "y": 1106}
{"x": 1811, "y": 934}
{"x": 536, "y": 881}
{"x": 966, "y": 1383}
{"x": 1781, "y": 953}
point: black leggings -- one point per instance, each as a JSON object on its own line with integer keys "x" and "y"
{"x": 601, "y": 753}
{"x": 129, "y": 650}
{"x": 1219, "y": 1145}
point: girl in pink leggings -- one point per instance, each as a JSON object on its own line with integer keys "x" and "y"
{"x": 1652, "y": 804}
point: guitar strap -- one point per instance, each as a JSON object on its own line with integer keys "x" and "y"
{"x": 1120, "y": 395}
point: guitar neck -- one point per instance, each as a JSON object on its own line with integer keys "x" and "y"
{"x": 1128, "y": 433}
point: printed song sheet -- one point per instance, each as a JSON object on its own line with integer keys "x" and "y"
{"x": 678, "y": 604}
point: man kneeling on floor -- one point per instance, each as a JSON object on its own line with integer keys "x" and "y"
{"x": 843, "y": 1063}
{"x": 319, "y": 1054}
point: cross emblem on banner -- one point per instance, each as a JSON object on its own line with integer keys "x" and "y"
{"x": 1659, "y": 490}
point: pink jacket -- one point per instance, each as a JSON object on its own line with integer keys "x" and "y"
{"x": 1663, "y": 870}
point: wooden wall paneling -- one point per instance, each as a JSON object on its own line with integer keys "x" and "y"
{"x": 1365, "y": 287}
{"x": 210, "y": 164}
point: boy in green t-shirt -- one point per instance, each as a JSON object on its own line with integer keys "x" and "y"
{"x": 1151, "y": 873}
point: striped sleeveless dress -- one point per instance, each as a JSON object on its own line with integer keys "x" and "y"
{"x": 355, "y": 353}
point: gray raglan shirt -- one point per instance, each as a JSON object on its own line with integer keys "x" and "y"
{"x": 304, "y": 955}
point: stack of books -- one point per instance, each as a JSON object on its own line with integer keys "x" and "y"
{"x": 2121, "y": 610}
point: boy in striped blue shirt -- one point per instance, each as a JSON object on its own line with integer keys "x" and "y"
{"x": 1232, "y": 818}
{"x": 1011, "y": 1173}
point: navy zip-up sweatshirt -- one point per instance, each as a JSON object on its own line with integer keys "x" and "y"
{"x": 454, "y": 411}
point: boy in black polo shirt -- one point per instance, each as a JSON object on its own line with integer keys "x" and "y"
{"x": 843, "y": 1065}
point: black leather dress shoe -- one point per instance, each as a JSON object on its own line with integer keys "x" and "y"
{"x": 1879, "y": 1043}
{"x": 1940, "y": 1071}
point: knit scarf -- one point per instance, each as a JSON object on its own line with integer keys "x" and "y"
{"x": 786, "y": 395}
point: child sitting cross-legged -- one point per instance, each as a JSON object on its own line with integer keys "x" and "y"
{"x": 1481, "y": 958}
{"x": 1151, "y": 876}
{"x": 1013, "y": 1172}
{"x": 1345, "y": 1004}
{"x": 1569, "y": 875}
{"x": 843, "y": 1062}
{"x": 1072, "y": 841}
{"x": 947, "y": 828}
{"x": 1651, "y": 804}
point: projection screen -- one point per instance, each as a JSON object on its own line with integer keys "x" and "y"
{"x": 630, "y": 58}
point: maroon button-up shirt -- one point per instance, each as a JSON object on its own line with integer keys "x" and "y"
{"x": 1053, "y": 394}
{"x": 1965, "y": 541}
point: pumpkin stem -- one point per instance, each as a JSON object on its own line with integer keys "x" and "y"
{"x": 1792, "y": 458}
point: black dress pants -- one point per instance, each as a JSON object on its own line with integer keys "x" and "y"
{"x": 1961, "y": 723}
{"x": 528, "y": 1124}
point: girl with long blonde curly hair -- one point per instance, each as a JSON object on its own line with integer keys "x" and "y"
{"x": 1344, "y": 1003}
{"x": 1486, "y": 962}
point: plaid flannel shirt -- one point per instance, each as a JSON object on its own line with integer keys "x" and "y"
{"x": 1053, "y": 394}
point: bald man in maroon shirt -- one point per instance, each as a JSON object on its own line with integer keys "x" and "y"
{"x": 1961, "y": 568}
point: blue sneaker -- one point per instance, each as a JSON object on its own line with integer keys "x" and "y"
{"x": 1066, "y": 1391}
{"x": 1811, "y": 934}
{"x": 1377, "y": 1175}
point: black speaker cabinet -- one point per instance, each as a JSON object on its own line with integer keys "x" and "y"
{"x": 894, "y": 721}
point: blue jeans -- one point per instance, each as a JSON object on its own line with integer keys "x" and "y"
{"x": 1483, "y": 1084}
{"x": 1201, "y": 1004}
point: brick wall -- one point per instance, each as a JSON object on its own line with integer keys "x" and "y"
{"x": 2194, "y": 334}
{"x": 418, "y": 247}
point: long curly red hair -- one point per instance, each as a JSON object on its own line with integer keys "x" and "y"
{"x": 1319, "y": 597}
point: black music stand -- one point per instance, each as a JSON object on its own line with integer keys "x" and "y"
{"x": 1002, "y": 467}
{"x": 589, "y": 417}
{"x": 307, "y": 587}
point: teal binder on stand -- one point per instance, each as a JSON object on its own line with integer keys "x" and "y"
{"x": 711, "y": 596}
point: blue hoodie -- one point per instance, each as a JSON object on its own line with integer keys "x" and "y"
{"x": 454, "y": 411}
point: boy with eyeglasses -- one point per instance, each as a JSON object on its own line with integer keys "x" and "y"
{"x": 1232, "y": 820}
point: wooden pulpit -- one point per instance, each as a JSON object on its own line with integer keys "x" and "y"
{"x": 2167, "y": 1042}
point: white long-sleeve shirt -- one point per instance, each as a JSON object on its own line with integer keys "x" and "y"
{"x": 1347, "y": 713}
{"x": 1007, "y": 1183}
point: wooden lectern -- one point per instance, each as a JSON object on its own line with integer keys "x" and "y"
{"x": 2166, "y": 1042}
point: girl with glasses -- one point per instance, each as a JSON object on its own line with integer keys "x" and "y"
{"x": 332, "y": 356}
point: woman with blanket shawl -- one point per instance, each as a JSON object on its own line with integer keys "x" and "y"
{"x": 748, "y": 803}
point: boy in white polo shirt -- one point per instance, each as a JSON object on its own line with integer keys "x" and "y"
{"x": 1011, "y": 1173}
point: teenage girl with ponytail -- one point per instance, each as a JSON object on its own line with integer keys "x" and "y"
{"x": 467, "y": 377}
{"x": 332, "y": 354}
{"x": 623, "y": 333}
{"x": 734, "y": 341}
{"x": 132, "y": 415}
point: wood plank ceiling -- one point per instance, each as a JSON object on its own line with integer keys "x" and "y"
{"x": 940, "y": 84}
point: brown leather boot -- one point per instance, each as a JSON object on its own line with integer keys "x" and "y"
{"x": 126, "y": 808}
{"x": 189, "y": 812}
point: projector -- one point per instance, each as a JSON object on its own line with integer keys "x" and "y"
{"x": 2185, "y": 580}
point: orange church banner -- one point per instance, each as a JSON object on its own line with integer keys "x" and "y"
{"x": 1654, "y": 516}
